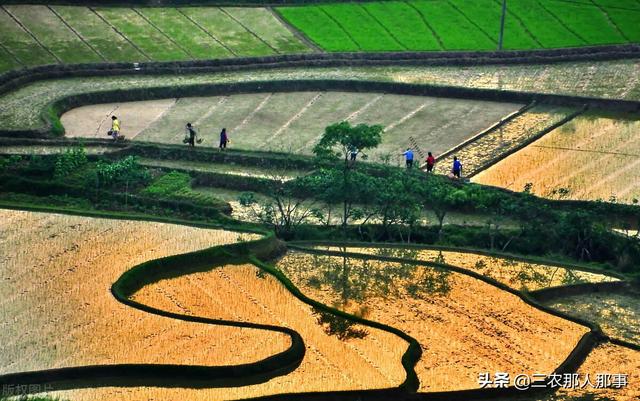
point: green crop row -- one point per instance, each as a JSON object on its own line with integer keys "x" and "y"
{"x": 36, "y": 35}
{"x": 465, "y": 25}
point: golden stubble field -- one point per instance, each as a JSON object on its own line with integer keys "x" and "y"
{"x": 464, "y": 326}
{"x": 607, "y": 359}
{"x": 588, "y": 158}
{"x": 516, "y": 274}
{"x": 57, "y": 309}
{"x": 245, "y": 293}
{"x": 617, "y": 314}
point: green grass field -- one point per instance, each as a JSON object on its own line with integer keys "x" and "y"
{"x": 466, "y": 25}
{"x": 36, "y": 35}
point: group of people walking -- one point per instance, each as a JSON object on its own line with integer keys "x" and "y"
{"x": 192, "y": 137}
{"x": 430, "y": 162}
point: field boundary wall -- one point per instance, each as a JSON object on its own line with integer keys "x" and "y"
{"x": 19, "y": 77}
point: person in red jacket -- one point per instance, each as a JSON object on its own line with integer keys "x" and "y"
{"x": 431, "y": 161}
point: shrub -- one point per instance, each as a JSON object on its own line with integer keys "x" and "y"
{"x": 126, "y": 171}
{"x": 69, "y": 161}
{"x": 168, "y": 184}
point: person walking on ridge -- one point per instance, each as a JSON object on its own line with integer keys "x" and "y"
{"x": 115, "y": 128}
{"x": 431, "y": 161}
{"x": 224, "y": 139}
{"x": 191, "y": 135}
{"x": 408, "y": 156}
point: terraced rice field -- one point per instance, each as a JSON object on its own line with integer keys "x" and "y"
{"x": 465, "y": 25}
{"x": 464, "y": 325}
{"x": 32, "y": 35}
{"x": 589, "y": 158}
{"x": 523, "y": 276}
{"x": 245, "y": 293}
{"x": 617, "y": 314}
{"x": 21, "y": 108}
{"x": 611, "y": 359}
{"x": 294, "y": 122}
{"x": 482, "y": 151}
{"x": 58, "y": 311}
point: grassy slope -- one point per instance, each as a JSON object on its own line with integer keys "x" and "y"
{"x": 224, "y": 28}
{"x": 126, "y": 34}
{"x": 265, "y": 25}
{"x": 54, "y": 34}
{"x": 466, "y": 25}
{"x": 146, "y": 37}
{"x": 100, "y": 35}
{"x": 194, "y": 40}
{"x": 22, "y": 45}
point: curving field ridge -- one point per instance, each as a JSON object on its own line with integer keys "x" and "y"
{"x": 464, "y": 326}
{"x": 58, "y": 311}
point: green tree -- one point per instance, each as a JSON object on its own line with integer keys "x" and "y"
{"x": 339, "y": 140}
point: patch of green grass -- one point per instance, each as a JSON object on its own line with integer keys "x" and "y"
{"x": 140, "y": 32}
{"x": 318, "y": 27}
{"x": 54, "y": 34}
{"x": 622, "y": 14}
{"x": 464, "y": 25}
{"x": 198, "y": 43}
{"x": 264, "y": 24}
{"x": 587, "y": 21}
{"x": 407, "y": 24}
{"x": 7, "y": 61}
{"x": 543, "y": 25}
{"x": 221, "y": 26}
{"x": 365, "y": 30}
{"x": 177, "y": 186}
{"x": 99, "y": 34}
{"x": 455, "y": 30}
{"x": 21, "y": 44}
{"x": 486, "y": 15}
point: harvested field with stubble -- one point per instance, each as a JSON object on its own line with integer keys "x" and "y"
{"x": 464, "y": 326}
{"x": 516, "y": 274}
{"x": 294, "y": 122}
{"x": 617, "y": 314}
{"x": 607, "y": 359}
{"x": 246, "y": 293}
{"x": 57, "y": 309}
{"x": 588, "y": 158}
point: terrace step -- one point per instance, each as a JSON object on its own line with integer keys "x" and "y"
{"x": 504, "y": 139}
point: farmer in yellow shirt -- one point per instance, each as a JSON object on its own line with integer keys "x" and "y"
{"x": 115, "y": 128}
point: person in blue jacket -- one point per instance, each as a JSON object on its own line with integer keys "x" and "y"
{"x": 408, "y": 157}
{"x": 457, "y": 167}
